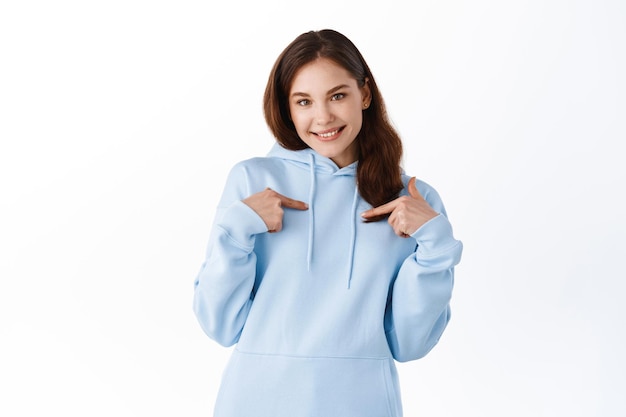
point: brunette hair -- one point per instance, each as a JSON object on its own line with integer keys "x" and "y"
{"x": 379, "y": 145}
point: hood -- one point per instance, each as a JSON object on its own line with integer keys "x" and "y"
{"x": 317, "y": 164}
{"x": 310, "y": 159}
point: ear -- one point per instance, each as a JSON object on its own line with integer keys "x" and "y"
{"x": 366, "y": 94}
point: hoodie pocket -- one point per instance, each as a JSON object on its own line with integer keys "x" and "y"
{"x": 287, "y": 386}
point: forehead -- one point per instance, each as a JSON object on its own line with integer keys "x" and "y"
{"x": 321, "y": 75}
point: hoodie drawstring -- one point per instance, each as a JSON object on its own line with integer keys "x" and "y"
{"x": 352, "y": 243}
{"x": 352, "y": 235}
{"x": 309, "y": 255}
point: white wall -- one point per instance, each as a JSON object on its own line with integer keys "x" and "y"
{"x": 119, "y": 121}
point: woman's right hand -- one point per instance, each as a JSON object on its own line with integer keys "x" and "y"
{"x": 268, "y": 204}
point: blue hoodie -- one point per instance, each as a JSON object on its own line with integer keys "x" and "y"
{"x": 321, "y": 310}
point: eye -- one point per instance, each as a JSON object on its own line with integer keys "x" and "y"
{"x": 337, "y": 96}
{"x": 303, "y": 102}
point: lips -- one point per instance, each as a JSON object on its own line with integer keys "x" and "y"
{"x": 329, "y": 134}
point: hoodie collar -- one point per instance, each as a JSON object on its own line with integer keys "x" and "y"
{"x": 321, "y": 164}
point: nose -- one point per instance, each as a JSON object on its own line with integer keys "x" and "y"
{"x": 323, "y": 114}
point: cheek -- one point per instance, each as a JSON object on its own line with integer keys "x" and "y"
{"x": 354, "y": 112}
{"x": 299, "y": 122}
{"x": 357, "y": 119}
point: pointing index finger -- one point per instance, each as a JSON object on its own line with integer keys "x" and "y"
{"x": 380, "y": 210}
{"x": 291, "y": 203}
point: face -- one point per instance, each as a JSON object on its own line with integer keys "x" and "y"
{"x": 326, "y": 106}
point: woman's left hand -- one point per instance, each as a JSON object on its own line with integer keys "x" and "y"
{"x": 407, "y": 213}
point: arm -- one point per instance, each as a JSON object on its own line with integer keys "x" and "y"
{"x": 223, "y": 287}
{"x": 419, "y": 307}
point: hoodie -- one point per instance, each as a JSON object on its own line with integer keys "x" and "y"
{"x": 320, "y": 311}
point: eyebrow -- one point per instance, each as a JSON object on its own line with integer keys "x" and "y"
{"x": 329, "y": 92}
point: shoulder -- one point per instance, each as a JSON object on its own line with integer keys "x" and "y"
{"x": 240, "y": 178}
{"x": 422, "y": 186}
{"x": 254, "y": 167}
{"x": 252, "y": 175}
{"x": 254, "y": 163}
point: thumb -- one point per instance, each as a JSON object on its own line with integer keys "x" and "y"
{"x": 413, "y": 190}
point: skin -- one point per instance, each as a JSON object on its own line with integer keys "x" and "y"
{"x": 326, "y": 107}
{"x": 406, "y": 213}
{"x": 324, "y": 98}
{"x": 269, "y": 204}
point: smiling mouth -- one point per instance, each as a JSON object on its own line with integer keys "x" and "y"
{"x": 329, "y": 134}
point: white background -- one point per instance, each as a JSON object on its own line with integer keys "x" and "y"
{"x": 119, "y": 121}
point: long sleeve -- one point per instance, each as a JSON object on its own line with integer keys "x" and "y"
{"x": 418, "y": 310}
{"x": 223, "y": 287}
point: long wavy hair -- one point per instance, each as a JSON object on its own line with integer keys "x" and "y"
{"x": 379, "y": 145}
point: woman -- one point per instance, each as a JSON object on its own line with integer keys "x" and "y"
{"x": 320, "y": 294}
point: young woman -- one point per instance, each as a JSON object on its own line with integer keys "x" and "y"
{"x": 326, "y": 262}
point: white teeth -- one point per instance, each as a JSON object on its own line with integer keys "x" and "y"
{"x": 329, "y": 134}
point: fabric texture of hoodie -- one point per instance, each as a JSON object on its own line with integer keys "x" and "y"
{"x": 321, "y": 310}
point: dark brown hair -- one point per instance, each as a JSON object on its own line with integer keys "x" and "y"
{"x": 379, "y": 145}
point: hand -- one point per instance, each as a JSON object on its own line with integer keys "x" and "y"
{"x": 408, "y": 212}
{"x": 268, "y": 204}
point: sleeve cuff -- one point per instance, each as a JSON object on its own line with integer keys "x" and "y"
{"x": 242, "y": 223}
{"x": 435, "y": 236}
